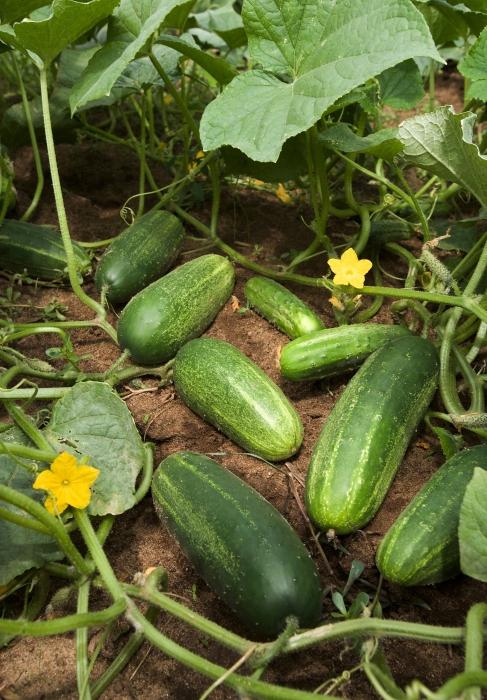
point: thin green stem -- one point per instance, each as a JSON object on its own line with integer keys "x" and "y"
{"x": 474, "y": 644}
{"x": 12, "y": 516}
{"x": 28, "y": 426}
{"x": 82, "y": 671}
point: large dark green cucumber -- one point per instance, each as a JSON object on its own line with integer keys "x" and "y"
{"x": 38, "y": 250}
{"x": 367, "y": 433}
{"x": 142, "y": 253}
{"x": 238, "y": 543}
{"x": 281, "y": 307}
{"x": 181, "y": 305}
{"x": 224, "y": 387}
{"x": 334, "y": 350}
{"x": 422, "y": 547}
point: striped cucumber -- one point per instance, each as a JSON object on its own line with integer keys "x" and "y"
{"x": 367, "y": 433}
{"x": 334, "y": 350}
{"x": 224, "y": 387}
{"x": 181, "y": 305}
{"x": 281, "y": 307}
{"x": 142, "y": 253}
{"x": 422, "y": 547}
{"x": 238, "y": 543}
{"x": 37, "y": 250}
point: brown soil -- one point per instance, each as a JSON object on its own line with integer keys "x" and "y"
{"x": 97, "y": 179}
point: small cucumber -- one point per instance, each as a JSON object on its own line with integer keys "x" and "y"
{"x": 181, "y": 305}
{"x": 224, "y": 387}
{"x": 142, "y": 253}
{"x": 37, "y": 250}
{"x": 334, "y": 350}
{"x": 238, "y": 543}
{"x": 367, "y": 433}
{"x": 281, "y": 307}
{"x": 422, "y": 547}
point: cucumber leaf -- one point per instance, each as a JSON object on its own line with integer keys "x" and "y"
{"x": 472, "y": 529}
{"x": 217, "y": 67}
{"x": 21, "y": 549}
{"x": 14, "y": 10}
{"x": 474, "y": 68}
{"x": 129, "y": 30}
{"x": 67, "y": 21}
{"x": 92, "y": 420}
{"x": 401, "y": 86}
{"x": 441, "y": 142}
{"x": 310, "y": 54}
{"x": 225, "y": 23}
{"x": 381, "y": 144}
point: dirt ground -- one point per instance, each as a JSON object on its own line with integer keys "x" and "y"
{"x": 97, "y": 178}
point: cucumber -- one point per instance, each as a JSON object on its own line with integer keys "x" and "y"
{"x": 367, "y": 433}
{"x": 281, "y": 307}
{"x": 181, "y": 305}
{"x": 422, "y": 546}
{"x": 224, "y": 387}
{"x": 334, "y": 350}
{"x": 238, "y": 543}
{"x": 142, "y": 253}
{"x": 37, "y": 250}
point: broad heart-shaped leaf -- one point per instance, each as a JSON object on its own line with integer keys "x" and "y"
{"x": 441, "y": 142}
{"x": 92, "y": 420}
{"x": 472, "y": 530}
{"x": 474, "y": 67}
{"x": 129, "y": 30}
{"x": 68, "y": 20}
{"x": 401, "y": 86}
{"x": 311, "y": 53}
{"x": 381, "y": 144}
{"x": 215, "y": 66}
{"x": 21, "y": 549}
{"x": 13, "y": 10}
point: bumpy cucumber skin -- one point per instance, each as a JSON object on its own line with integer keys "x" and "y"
{"x": 281, "y": 307}
{"x": 422, "y": 547}
{"x": 238, "y": 543}
{"x": 367, "y": 433}
{"x": 181, "y": 305}
{"x": 224, "y": 387}
{"x": 142, "y": 253}
{"x": 37, "y": 249}
{"x": 332, "y": 351}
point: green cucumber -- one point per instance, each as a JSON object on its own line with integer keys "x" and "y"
{"x": 37, "y": 250}
{"x": 281, "y": 307}
{"x": 238, "y": 543}
{"x": 142, "y": 253}
{"x": 224, "y": 387}
{"x": 334, "y": 350}
{"x": 422, "y": 546}
{"x": 367, "y": 433}
{"x": 181, "y": 305}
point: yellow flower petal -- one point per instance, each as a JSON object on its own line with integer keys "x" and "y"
{"x": 335, "y": 264}
{"x": 46, "y": 480}
{"x": 76, "y": 497}
{"x": 63, "y": 462}
{"x": 363, "y": 266}
{"x": 283, "y": 195}
{"x": 349, "y": 269}
{"x": 54, "y": 507}
{"x": 85, "y": 476}
{"x": 349, "y": 257}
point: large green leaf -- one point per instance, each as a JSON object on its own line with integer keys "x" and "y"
{"x": 68, "y": 20}
{"x": 13, "y": 10}
{"x": 381, "y": 144}
{"x": 311, "y": 53}
{"x": 472, "y": 529}
{"x": 130, "y": 29}
{"x": 93, "y": 420}
{"x": 474, "y": 67}
{"x": 21, "y": 549}
{"x": 401, "y": 86}
{"x": 442, "y": 143}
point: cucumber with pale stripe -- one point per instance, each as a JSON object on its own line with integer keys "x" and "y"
{"x": 367, "y": 433}
{"x": 181, "y": 305}
{"x": 332, "y": 351}
{"x": 142, "y": 253}
{"x": 281, "y": 307}
{"x": 238, "y": 543}
{"x": 224, "y": 387}
{"x": 422, "y": 546}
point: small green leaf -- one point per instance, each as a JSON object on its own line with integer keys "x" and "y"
{"x": 215, "y": 66}
{"x": 450, "y": 444}
{"x": 21, "y": 549}
{"x": 441, "y": 142}
{"x": 472, "y": 529}
{"x": 401, "y": 86}
{"x": 224, "y": 22}
{"x": 474, "y": 68}
{"x": 92, "y": 420}
{"x": 381, "y": 144}
{"x": 68, "y": 20}
{"x": 13, "y": 10}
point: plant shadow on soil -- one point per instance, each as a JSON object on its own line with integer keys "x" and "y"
{"x": 97, "y": 178}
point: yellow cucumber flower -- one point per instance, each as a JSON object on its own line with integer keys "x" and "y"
{"x": 283, "y": 195}
{"x": 349, "y": 269}
{"x": 67, "y": 482}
